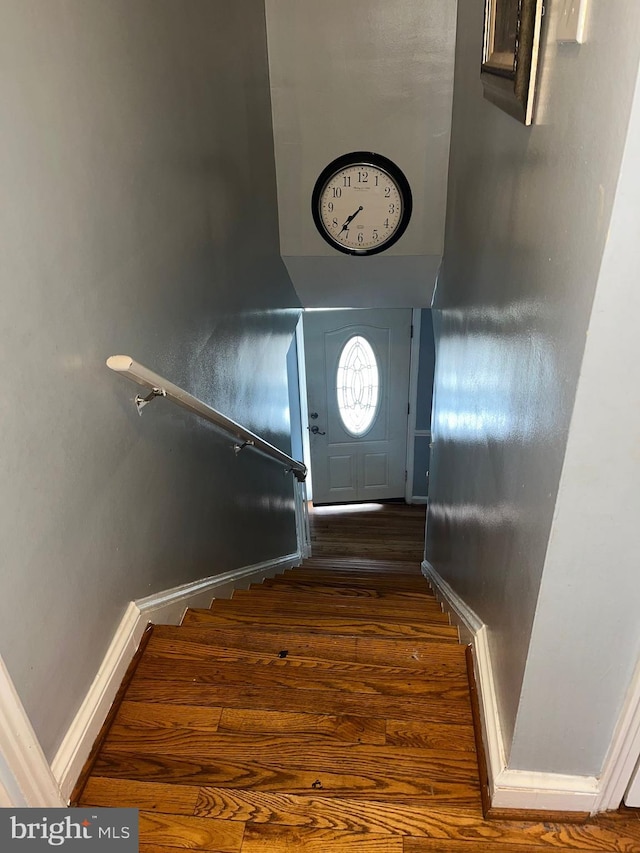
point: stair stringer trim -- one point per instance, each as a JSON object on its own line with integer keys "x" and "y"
{"x": 167, "y": 608}
{"x": 508, "y": 789}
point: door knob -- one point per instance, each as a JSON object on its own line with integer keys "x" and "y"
{"x": 316, "y": 430}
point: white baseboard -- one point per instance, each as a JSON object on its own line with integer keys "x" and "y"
{"x": 508, "y": 789}
{"x": 521, "y": 789}
{"x": 26, "y": 780}
{"x": 167, "y": 608}
{"x": 76, "y": 745}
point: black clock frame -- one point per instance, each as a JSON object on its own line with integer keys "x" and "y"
{"x": 365, "y": 158}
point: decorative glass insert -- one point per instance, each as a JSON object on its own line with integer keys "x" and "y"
{"x": 357, "y": 385}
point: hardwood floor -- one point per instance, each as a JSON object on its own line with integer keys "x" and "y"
{"x": 324, "y": 711}
{"x": 390, "y": 531}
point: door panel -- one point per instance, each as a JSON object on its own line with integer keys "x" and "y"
{"x": 347, "y": 467}
{"x": 375, "y": 470}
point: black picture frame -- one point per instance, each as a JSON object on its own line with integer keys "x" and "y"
{"x": 510, "y": 51}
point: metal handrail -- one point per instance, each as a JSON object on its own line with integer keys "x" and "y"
{"x": 161, "y": 387}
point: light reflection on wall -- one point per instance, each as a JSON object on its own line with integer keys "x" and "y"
{"x": 494, "y": 387}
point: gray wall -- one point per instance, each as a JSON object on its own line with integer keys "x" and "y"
{"x": 528, "y": 213}
{"x": 366, "y": 75}
{"x": 591, "y": 584}
{"x": 138, "y": 216}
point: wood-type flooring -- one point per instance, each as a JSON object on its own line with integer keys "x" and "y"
{"x": 326, "y": 710}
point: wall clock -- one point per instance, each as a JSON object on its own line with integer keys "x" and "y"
{"x": 361, "y": 203}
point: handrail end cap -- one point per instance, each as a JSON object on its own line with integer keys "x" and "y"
{"x": 120, "y": 363}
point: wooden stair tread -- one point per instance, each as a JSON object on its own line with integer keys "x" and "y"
{"x": 217, "y": 836}
{"x": 384, "y": 568}
{"x": 355, "y": 580}
{"x": 334, "y": 549}
{"x": 348, "y": 728}
{"x": 300, "y": 752}
{"x": 311, "y": 595}
{"x": 352, "y": 728}
{"x": 384, "y": 684}
{"x": 384, "y": 578}
{"x": 320, "y": 588}
{"x": 395, "y": 651}
{"x": 187, "y": 653}
{"x": 473, "y": 836}
{"x": 328, "y": 624}
{"x": 378, "y": 568}
{"x": 380, "y": 572}
{"x": 273, "y": 839}
{"x": 322, "y": 608}
{"x": 426, "y": 828}
{"x": 153, "y": 796}
{"x": 276, "y": 698}
{"x": 379, "y": 562}
{"x": 392, "y": 783}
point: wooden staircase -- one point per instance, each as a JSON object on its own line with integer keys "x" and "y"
{"x": 326, "y": 710}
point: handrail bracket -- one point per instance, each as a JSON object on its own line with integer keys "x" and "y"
{"x": 238, "y": 448}
{"x": 141, "y": 402}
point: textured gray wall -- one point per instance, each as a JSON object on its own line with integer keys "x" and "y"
{"x": 527, "y": 219}
{"x": 586, "y": 623}
{"x": 138, "y": 216}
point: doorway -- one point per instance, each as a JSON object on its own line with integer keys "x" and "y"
{"x": 357, "y": 372}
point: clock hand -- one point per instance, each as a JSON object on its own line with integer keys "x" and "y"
{"x": 349, "y": 219}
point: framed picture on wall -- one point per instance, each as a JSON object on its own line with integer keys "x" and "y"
{"x": 510, "y": 54}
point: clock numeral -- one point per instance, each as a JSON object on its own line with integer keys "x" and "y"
{"x": 337, "y": 192}
{"x": 360, "y": 237}
{"x": 386, "y": 223}
{"x": 363, "y": 177}
{"x": 330, "y": 206}
{"x": 346, "y": 181}
{"x": 377, "y": 181}
{"x": 392, "y": 208}
{"x": 334, "y": 222}
{"x": 387, "y": 192}
{"x": 374, "y": 235}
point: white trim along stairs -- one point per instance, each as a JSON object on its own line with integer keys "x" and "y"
{"x": 25, "y": 776}
{"x": 520, "y": 789}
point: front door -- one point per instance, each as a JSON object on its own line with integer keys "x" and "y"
{"x": 357, "y": 365}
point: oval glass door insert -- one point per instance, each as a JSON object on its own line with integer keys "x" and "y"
{"x": 357, "y": 385}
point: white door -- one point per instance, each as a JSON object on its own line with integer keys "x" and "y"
{"x": 357, "y": 365}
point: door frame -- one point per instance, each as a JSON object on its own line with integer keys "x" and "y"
{"x": 412, "y": 432}
{"x": 304, "y": 406}
{"x": 414, "y": 355}
{"x": 624, "y": 749}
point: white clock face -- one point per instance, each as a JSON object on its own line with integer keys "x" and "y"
{"x": 360, "y": 207}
